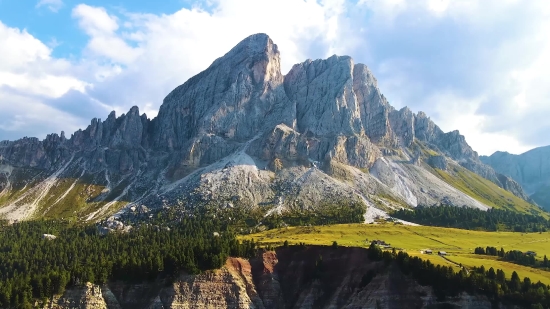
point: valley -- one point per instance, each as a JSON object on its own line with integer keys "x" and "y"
{"x": 199, "y": 264}
{"x": 257, "y": 189}
{"x": 459, "y": 244}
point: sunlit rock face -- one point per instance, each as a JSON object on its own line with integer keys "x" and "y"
{"x": 242, "y": 134}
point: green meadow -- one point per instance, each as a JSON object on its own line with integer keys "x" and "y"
{"x": 459, "y": 244}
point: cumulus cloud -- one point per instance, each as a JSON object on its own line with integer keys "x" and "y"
{"x": 27, "y": 115}
{"x": 473, "y": 65}
{"x": 476, "y": 66}
{"x": 52, "y": 5}
{"x": 156, "y": 53}
{"x": 104, "y": 41}
{"x": 137, "y": 58}
{"x": 29, "y": 76}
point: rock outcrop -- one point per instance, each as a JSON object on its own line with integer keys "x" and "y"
{"x": 288, "y": 278}
{"x": 87, "y": 296}
{"x": 239, "y": 95}
{"x": 530, "y": 169}
{"x": 242, "y": 134}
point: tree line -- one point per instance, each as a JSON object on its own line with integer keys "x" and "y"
{"x": 245, "y": 220}
{"x": 446, "y": 282}
{"x": 330, "y": 214}
{"x": 515, "y": 256}
{"x": 35, "y": 268}
{"x": 474, "y": 219}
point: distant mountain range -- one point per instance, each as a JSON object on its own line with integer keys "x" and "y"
{"x": 531, "y": 169}
{"x": 242, "y": 134}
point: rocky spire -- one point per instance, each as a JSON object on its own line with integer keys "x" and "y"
{"x": 324, "y": 97}
{"x": 236, "y": 96}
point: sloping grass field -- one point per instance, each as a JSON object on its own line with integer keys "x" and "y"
{"x": 459, "y": 244}
{"x": 486, "y": 191}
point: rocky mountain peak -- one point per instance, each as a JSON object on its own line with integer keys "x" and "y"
{"x": 367, "y": 77}
{"x": 323, "y": 93}
{"x": 242, "y": 133}
{"x": 258, "y": 53}
{"x": 234, "y": 98}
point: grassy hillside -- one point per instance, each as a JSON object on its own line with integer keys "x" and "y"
{"x": 486, "y": 191}
{"x": 67, "y": 198}
{"x": 459, "y": 244}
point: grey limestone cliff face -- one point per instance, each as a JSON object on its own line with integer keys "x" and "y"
{"x": 375, "y": 109}
{"x": 291, "y": 148}
{"x": 240, "y": 94}
{"x": 99, "y": 141}
{"x": 439, "y": 162}
{"x": 336, "y": 96}
{"x": 403, "y": 124}
{"x": 530, "y": 169}
{"x": 323, "y": 93}
{"x": 242, "y": 133}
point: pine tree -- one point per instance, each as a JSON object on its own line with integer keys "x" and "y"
{"x": 526, "y": 284}
{"x": 482, "y": 270}
{"x": 501, "y": 276}
{"x": 515, "y": 282}
{"x": 491, "y": 274}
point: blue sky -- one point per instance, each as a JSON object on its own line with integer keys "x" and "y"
{"x": 479, "y": 66}
{"x": 51, "y": 21}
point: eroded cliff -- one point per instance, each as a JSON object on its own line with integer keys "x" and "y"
{"x": 295, "y": 277}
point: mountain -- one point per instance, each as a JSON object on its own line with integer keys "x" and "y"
{"x": 531, "y": 169}
{"x": 243, "y": 135}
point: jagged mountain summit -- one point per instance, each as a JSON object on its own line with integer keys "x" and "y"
{"x": 531, "y": 169}
{"x": 242, "y": 134}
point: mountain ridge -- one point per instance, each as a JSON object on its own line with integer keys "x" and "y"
{"x": 531, "y": 169}
{"x": 242, "y": 134}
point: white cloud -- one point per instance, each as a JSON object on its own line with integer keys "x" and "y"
{"x": 438, "y": 7}
{"x": 474, "y": 65}
{"x": 95, "y": 20}
{"x": 477, "y": 66}
{"x": 27, "y": 66}
{"x": 159, "y": 52}
{"x": 52, "y": 5}
{"x": 28, "y": 77}
{"x": 18, "y": 48}
{"x": 452, "y": 112}
{"x": 104, "y": 41}
{"x": 136, "y": 59}
{"x": 29, "y": 116}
